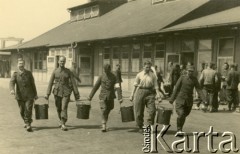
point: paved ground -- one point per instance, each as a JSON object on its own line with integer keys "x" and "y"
{"x": 84, "y": 136}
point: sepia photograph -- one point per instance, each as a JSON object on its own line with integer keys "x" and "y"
{"x": 119, "y": 76}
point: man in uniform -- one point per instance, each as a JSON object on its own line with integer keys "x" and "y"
{"x": 208, "y": 80}
{"x": 73, "y": 69}
{"x": 232, "y": 88}
{"x": 25, "y": 92}
{"x": 183, "y": 93}
{"x": 62, "y": 90}
{"x": 146, "y": 88}
{"x": 118, "y": 75}
{"x": 108, "y": 82}
{"x": 174, "y": 76}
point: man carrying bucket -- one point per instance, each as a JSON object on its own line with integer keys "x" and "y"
{"x": 146, "y": 88}
{"x": 62, "y": 90}
{"x": 108, "y": 82}
{"x": 25, "y": 92}
{"x": 183, "y": 93}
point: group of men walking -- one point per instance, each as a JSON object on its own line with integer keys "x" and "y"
{"x": 147, "y": 88}
{"x": 22, "y": 85}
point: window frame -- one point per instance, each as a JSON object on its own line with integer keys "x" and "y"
{"x": 40, "y": 60}
{"x": 225, "y": 57}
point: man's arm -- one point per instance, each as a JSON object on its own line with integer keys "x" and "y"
{"x": 201, "y": 79}
{"x": 136, "y": 83}
{"x": 76, "y": 76}
{"x": 12, "y": 84}
{"x": 229, "y": 78}
{"x": 33, "y": 84}
{"x": 75, "y": 89}
{"x": 95, "y": 88}
{"x": 176, "y": 90}
{"x": 50, "y": 84}
{"x": 156, "y": 86}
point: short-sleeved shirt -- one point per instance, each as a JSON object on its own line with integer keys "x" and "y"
{"x": 146, "y": 80}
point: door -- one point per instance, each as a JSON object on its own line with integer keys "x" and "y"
{"x": 85, "y": 70}
{"x": 187, "y": 57}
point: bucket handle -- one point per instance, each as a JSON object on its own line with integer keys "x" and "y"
{"x": 41, "y": 98}
{"x": 82, "y": 102}
{"x": 161, "y": 107}
{"x": 129, "y": 104}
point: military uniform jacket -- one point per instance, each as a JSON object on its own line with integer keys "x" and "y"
{"x": 62, "y": 79}
{"x": 118, "y": 74}
{"x": 232, "y": 80}
{"x": 25, "y": 85}
{"x": 107, "y": 83}
{"x": 183, "y": 91}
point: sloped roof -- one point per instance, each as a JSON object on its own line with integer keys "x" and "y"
{"x": 227, "y": 17}
{"x": 134, "y": 18}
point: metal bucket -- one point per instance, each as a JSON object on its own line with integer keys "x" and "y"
{"x": 41, "y": 108}
{"x": 83, "y": 109}
{"x": 127, "y": 113}
{"x": 164, "y": 115}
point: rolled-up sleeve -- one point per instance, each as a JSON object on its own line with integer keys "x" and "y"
{"x": 137, "y": 80}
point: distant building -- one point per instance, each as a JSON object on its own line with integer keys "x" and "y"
{"x": 5, "y": 57}
{"x": 130, "y": 32}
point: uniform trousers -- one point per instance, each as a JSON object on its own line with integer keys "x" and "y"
{"x": 26, "y": 110}
{"x": 183, "y": 109}
{"x": 232, "y": 98}
{"x": 106, "y": 106}
{"x": 144, "y": 97}
{"x": 209, "y": 91}
{"x": 61, "y": 104}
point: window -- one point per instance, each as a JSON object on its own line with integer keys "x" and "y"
{"x": 204, "y": 52}
{"x": 136, "y": 58}
{"x": 87, "y": 13}
{"x": 52, "y": 52}
{"x": 58, "y": 52}
{"x": 80, "y": 15}
{"x": 64, "y": 52}
{"x": 159, "y": 56}
{"x": 226, "y": 52}
{"x": 40, "y": 60}
{"x": 116, "y": 57}
{"x": 226, "y": 47}
{"x": 147, "y": 52}
{"x": 205, "y": 45}
{"x": 125, "y": 59}
{"x": 157, "y": 1}
{"x": 106, "y": 56}
{"x": 74, "y": 16}
{"x": 188, "y": 46}
{"x": 160, "y": 50}
{"x": 95, "y": 11}
{"x": 70, "y": 54}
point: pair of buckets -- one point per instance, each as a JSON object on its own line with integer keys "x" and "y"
{"x": 41, "y": 108}
{"x": 83, "y": 109}
{"x": 163, "y": 114}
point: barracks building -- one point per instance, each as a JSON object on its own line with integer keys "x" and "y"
{"x": 130, "y": 32}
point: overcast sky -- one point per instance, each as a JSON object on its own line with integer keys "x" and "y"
{"x": 30, "y": 18}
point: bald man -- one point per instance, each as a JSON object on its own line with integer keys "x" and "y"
{"x": 63, "y": 79}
